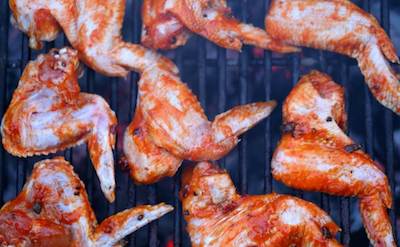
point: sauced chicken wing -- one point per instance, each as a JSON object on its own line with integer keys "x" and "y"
{"x": 48, "y": 113}
{"x": 53, "y": 210}
{"x": 92, "y": 27}
{"x": 167, "y": 24}
{"x": 170, "y": 126}
{"x": 342, "y": 27}
{"x": 217, "y": 216}
{"x": 315, "y": 154}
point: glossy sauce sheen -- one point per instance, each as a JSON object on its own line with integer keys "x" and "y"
{"x": 53, "y": 210}
{"x": 340, "y": 26}
{"x": 48, "y": 113}
{"x": 170, "y": 125}
{"x": 167, "y": 24}
{"x": 217, "y": 216}
{"x": 316, "y": 155}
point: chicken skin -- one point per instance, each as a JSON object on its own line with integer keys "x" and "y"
{"x": 53, "y": 210}
{"x": 340, "y": 26}
{"x": 48, "y": 113}
{"x": 168, "y": 24}
{"x": 92, "y": 27}
{"x": 315, "y": 154}
{"x": 217, "y": 216}
{"x": 170, "y": 125}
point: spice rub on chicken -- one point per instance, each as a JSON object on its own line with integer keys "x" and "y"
{"x": 217, "y": 215}
{"x": 48, "y": 113}
{"x": 53, "y": 210}
{"x": 315, "y": 154}
{"x": 340, "y": 26}
{"x": 168, "y": 24}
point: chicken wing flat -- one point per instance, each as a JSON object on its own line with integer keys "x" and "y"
{"x": 217, "y": 216}
{"x": 48, "y": 113}
{"x": 53, "y": 210}
{"x": 168, "y": 24}
{"x": 315, "y": 154}
{"x": 170, "y": 125}
{"x": 92, "y": 27}
{"x": 342, "y": 27}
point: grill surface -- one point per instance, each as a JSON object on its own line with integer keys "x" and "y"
{"x": 221, "y": 79}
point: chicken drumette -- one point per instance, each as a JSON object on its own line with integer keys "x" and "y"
{"x": 53, "y": 210}
{"x": 92, "y": 27}
{"x": 217, "y": 216}
{"x": 48, "y": 113}
{"x": 340, "y": 26}
{"x": 315, "y": 154}
{"x": 170, "y": 125}
{"x": 167, "y": 24}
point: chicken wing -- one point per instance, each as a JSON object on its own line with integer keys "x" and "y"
{"x": 92, "y": 27}
{"x": 217, "y": 216}
{"x": 53, "y": 210}
{"x": 48, "y": 113}
{"x": 342, "y": 27}
{"x": 315, "y": 154}
{"x": 170, "y": 125}
{"x": 167, "y": 24}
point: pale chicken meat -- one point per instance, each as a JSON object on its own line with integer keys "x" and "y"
{"x": 217, "y": 215}
{"x": 48, "y": 113}
{"x": 340, "y": 26}
{"x": 53, "y": 210}
{"x": 170, "y": 126}
{"x": 168, "y": 24}
{"x": 315, "y": 154}
{"x": 92, "y": 27}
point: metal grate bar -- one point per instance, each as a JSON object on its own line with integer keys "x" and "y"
{"x": 14, "y": 170}
{"x": 369, "y": 135}
{"x": 21, "y": 164}
{"x": 295, "y": 70}
{"x": 152, "y": 195}
{"x": 89, "y": 168}
{"x": 345, "y": 202}
{"x": 3, "y": 71}
{"x": 222, "y": 72}
{"x": 325, "y": 198}
{"x": 243, "y": 100}
{"x": 389, "y": 127}
{"x": 267, "y": 136}
{"x": 177, "y": 213}
{"x": 135, "y": 27}
{"x": 368, "y": 108}
{"x": 112, "y": 208}
{"x": 202, "y": 71}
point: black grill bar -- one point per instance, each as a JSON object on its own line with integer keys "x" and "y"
{"x": 3, "y": 78}
{"x": 133, "y": 79}
{"x": 243, "y": 100}
{"x": 202, "y": 71}
{"x": 378, "y": 124}
{"x": 345, "y": 202}
{"x": 267, "y": 136}
{"x": 389, "y": 127}
{"x": 222, "y": 72}
{"x": 325, "y": 199}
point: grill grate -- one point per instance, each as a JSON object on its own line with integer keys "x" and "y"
{"x": 221, "y": 79}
